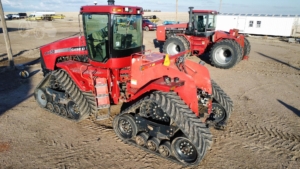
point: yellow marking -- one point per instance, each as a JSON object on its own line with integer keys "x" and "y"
{"x": 167, "y": 60}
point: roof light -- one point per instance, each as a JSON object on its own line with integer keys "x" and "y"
{"x": 117, "y": 10}
{"x": 138, "y": 11}
{"x": 126, "y": 9}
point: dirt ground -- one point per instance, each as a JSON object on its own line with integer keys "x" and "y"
{"x": 263, "y": 132}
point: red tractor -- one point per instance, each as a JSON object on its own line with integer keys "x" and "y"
{"x": 225, "y": 49}
{"x": 168, "y": 102}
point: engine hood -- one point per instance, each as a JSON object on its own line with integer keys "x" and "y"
{"x": 72, "y": 46}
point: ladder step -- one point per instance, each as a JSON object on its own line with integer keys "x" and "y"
{"x": 104, "y": 106}
{"x": 100, "y": 85}
{"x": 101, "y": 96}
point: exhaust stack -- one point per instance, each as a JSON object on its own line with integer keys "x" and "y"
{"x": 111, "y": 2}
{"x": 190, "y": 19}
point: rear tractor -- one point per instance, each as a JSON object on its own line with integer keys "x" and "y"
{"x": 169, "y": 102}
{"x": 225, "y": 49}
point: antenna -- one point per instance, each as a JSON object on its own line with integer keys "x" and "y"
{"x": 95, "y": 2}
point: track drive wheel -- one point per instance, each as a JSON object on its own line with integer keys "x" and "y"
{"x": 124, "y": 126}
{"x": 184, "y": 150}
{"x": 222, "y": 106}
{"x": 175, "y": 45}
{"x": 225, "y": 54}
{"x": 41, "y": 97}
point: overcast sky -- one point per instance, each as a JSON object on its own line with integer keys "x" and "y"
{"x": 228, "y": 6}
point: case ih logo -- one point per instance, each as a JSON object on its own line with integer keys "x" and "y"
{"x": 79, "y": 48}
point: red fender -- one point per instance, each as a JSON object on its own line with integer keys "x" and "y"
{"x": 198, "y": 76}
{"x": 81, "y": 73}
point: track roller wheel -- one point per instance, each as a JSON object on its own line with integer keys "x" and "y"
{"x": 141, "y": 139}
{"x": 184, "y": 150}
{"x": 125, "y": 126}
{"x": 165, "y": 149}
{"x": 41, "y": 97}
{"x": 63, "y": 111}
{"x": 50, "y": 107}
{"x": 153, "y": 143}
{"x": 56, "y": 109}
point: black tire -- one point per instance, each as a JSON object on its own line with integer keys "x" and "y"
{"x": 225, "y": 54}
{"x": 146, "y": 28}
{"x": 220, "y": 97}
{"x": 175, "y": 45}
{"x": 247, "y": 47}
{"x": 125, "y": 132}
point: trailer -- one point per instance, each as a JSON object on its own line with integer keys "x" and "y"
{"x": 260, "y": 24}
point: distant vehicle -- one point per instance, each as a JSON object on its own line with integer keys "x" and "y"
{"x": 152, "y": 18}
{"x": 58, "y": 16}
{"x": 49, "y": 16}
{"x": 148, "y": 25}
{"x": 23, "y": 15}
{"x": 13, "y": 16}
{"x": 169, "y": 22}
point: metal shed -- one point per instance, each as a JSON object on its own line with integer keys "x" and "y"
{"x": 260, "y": 24}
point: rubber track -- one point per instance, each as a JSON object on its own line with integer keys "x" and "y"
{"x": 197, "y": 132}
{"x": 221, "y": 97}
{"x": 236, "y": 47}
{"x": 75, "y": 94}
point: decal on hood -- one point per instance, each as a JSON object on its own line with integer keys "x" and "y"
{"x": 72, "y": 49}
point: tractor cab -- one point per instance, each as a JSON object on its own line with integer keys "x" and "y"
{"x": 202, "y": 22}
{"x": 112, "y": 32}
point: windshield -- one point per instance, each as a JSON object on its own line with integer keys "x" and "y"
{"x": 96, "y": 33}
{"x": 205, "y": 22}
{"x": 127, "y": 31}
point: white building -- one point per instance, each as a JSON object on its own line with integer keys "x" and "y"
{"x": 260, "y": 24}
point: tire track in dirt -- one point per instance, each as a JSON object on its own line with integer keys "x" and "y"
{"x": 261, "y": 139}
{"x": 98, "y": 146}
{"x": 269, "y": 69}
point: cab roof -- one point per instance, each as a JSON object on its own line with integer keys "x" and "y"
{"x": 115, "y": 9}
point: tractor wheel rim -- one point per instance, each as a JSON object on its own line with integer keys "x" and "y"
{"x": 223, "y": 55}
{"x": 41, "y": 98}
{"x": 218, "y": 112}
{"x": 184, "y": 149}
{"x": 173, "y": 49}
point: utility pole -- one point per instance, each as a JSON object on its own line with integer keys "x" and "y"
{"x": 220, "y": 7}
{"x": 6, "y": 38}
{"x": 176, "y": 9}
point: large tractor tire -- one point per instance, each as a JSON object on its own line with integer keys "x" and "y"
{"x": 225, "y": 54}
{"x": 164, "y": 125}
{"x": 175, "y": 45}
{"x": 247, "y": 47}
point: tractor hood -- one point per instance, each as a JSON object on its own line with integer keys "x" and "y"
{"x": 161, "y": 30}
{"x": 65, "y": 47}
